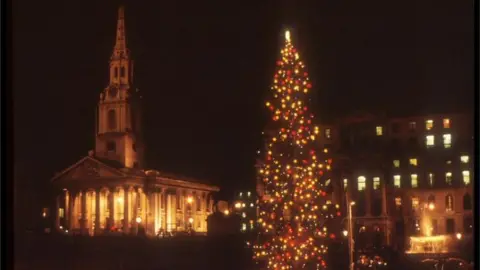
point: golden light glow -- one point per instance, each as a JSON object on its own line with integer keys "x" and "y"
{"x": 189, "y": 199}
{"x": 287, "y": 36}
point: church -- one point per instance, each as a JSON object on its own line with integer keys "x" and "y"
{"x": 109, "y": 190}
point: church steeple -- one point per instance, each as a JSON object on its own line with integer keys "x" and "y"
{"x": 119, "y": 120}
{"x": 121, "y": 65}
{"x": 120, "y": 48}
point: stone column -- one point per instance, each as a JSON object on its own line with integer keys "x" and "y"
{"x": 368, "y": 197}
{"x": 83, "y": 220}
{"x": 204, "y": 211}
{"x": 57, "y": 210}
{"x": 384, "y": 198}
{"x": 126, "y": 222}
{"x": 111, "y": 207}
{"x": 71, "y": 210}
{"x": 164, "y": 205}
{"x": 97, "y": 212}
{"x": 149, "y": 214}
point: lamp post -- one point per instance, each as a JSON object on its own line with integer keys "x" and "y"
{"x": 350, "y": 234}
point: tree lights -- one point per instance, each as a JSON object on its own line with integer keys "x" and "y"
{"x": 295, "y": 210}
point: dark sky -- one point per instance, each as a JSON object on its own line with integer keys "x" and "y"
{"x": 205, "y": 68}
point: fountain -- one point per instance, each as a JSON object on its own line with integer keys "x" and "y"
{"x": 427, "y": 242}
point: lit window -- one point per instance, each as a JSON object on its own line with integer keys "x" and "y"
{"x": 430, "y": 140}
{"x": 466, "y": 177}
{"x": 361, "y": 183}
{"x": 396, "y": 163}
{"x": 464, "y": 159}
{"x": 430, "y": 179}
{"x": 448, "y": 178}
{"x": 412, "y": 126}
{"x": 396, "y": 181}
{"x": 376, "y": 183}
{"x": 379, "y": 130}
{"x": 248, "y": 194}
{"x": 328, "y": 133}
{"x": 446, "y": 123}
{"x": 414, "y": 179}
{"x": 448, "y": 162}
{"x": 61, "y": 212}
{"x": 428, "y": 124}
{"x": 241, "y": 193}
{"x": 449, "y": 202}
{"x": 244, "y": 227}
{"x": 447, "y": 140}
{"x": 398, "y": 201}
{"x": 345, "y": 183}
{"x": 415, "y": 203}
{"x": 413, "y": 161}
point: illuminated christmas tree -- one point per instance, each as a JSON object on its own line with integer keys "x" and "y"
{"x": 295, "y": 211}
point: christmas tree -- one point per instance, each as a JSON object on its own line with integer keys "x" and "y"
{"x": 295, "y": 209}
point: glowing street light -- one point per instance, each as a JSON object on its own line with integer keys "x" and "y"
{"x": 431, "y": 206}
{"x": 138, "y": 220}
{"x": 189, "y": 199}
{"x": 459, "y": 236}
{"x": 226, "y": 212}
{"x": 190, "y": 220}
{"x": 345, "y": 233}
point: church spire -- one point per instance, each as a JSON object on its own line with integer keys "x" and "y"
{"x": 120, "y": 48}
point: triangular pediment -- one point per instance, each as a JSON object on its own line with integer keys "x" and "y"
{"x": 88, "y": 168}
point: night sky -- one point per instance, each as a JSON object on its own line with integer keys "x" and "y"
{"x": 205, "y": 68}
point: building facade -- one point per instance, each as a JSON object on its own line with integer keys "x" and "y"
{"x": 110, "y": 189}
{"x": 401, "y": 172}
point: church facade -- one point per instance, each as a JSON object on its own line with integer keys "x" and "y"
{"x": 110, "y": 190}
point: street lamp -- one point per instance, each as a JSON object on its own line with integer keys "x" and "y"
{"x": 138, "y": 220}
{"x": 345, "y": 233}
{"x": 189, "y": 199}
{"x": 459, "y": 236}
{"x": 350, "y": 234}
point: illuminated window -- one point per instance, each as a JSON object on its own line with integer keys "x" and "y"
{"x": 361, "y": 183}
{"x": 412, "y": 126}
{"x": 248, "y": 194}
{"x": 328, "y": 133}
{"x": 379, "y": 130}
{"x": 413, "y": 161}
{"x": 414, "y": 181}
{"x": 447, "y": 140}
{"x": 449, "y": 202}
{"x": 241, "y": 193}
{"x": 396, "y": 163}
{"x": 448, "y": 162}
{"x": 466, "y": 177}
{"x": 464, "y": 159}
{"x": 396, "y": 181}
{"x": 244, "y": 227}
{"x": 428, "y": 124}
{"x": 376, "y": 183}
{"x": 446, "y": 123}
{"x": 430, "y": 140}
{"x": 61, "y": 212}
{"x": 415, "y": 203}
{"x": 345, "y": 183}
{"x": 398, "y": 202}
{"x": 448, "y": 178}
{"x": 431, "y": 179}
